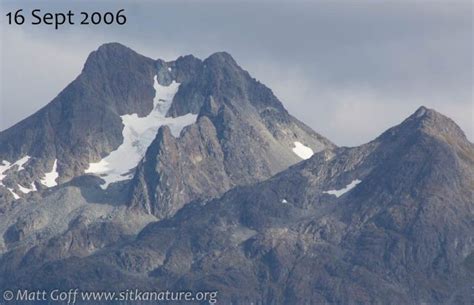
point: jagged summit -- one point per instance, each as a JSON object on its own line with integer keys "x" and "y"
{"x": 421, "y": 111}
{"x": 219, "y": 77}
{"x": 376, "y": 224}
{"x": 114, "y": 58}
{"x": 427, "y": 116}
{"x": 426, "y": 122}
{"x": 113, "y": 49}
{"x": 121, "y": 98}
{"x": 114, "y": 46}
{"x": 437, "y": 124}
{"x": 221, "y": 58}
{"x": 186, "y": 175}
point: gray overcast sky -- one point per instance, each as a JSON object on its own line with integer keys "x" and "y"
{"x": 349, "y": 69}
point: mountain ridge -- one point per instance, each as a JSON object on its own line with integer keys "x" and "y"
{"x": 403, "y": 229}
{"x": 235, "y": 203}
{"x": 118, "y": 91}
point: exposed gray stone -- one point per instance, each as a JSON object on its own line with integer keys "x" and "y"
{"x": 401, "y": 236}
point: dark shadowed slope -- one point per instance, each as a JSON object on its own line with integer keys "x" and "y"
{"x": 389, "y": 222}
{"x": 110, "y": 114}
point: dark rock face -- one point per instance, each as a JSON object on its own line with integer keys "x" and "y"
{"x": 82, "y": 123}
{"x": 219, "y": 76}
{"x": 177, "y": 171}
{"x": 403, "y": 235}
{"x": 227, "y": 205}
{"x": 243, "y": 135}
{"x": 250, "y": 133}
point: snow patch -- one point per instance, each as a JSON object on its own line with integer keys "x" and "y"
{"x": 138, "y": 133}
{"x": 15, "y": 195}
{"x": 302, "y": 151}
{"x": 26, "y": 190}
{"x": 5, "y": 166}
{"x": 22, "y": 162}
{"x": 49, "y": 179}
{"x": 339, "y": 193}
{"x": 284, "y": 201}
{"x": 169, "y": 69}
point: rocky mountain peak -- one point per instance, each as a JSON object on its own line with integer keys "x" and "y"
{"x": 210, "y": 153}
{"x": 219, "y": 77}
{"x": 115, "y": 108}
{"x": 385, "y": 221}
{"x": 431, "y": 121}
{"x": 437, "y": 124}
{"x": 427, "y": 122}
{"x": 186, "y": 68}
{"x": 221, "y": 59}
{"x": 113, "y": 53}
{"x": 243, "y": 134}
{"x": 83, "y": 123}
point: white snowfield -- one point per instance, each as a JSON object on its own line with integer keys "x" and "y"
{"x": 138, "y": 133}
{"x": 6, "y": 166}
{"x": 26, "y": 190}
{"x": 339, "y": 193}
{"x": 49, "y": 179}
{"x": 15, "y": 195}
{"x": 302, "y": 151}
{"x": 22, "y": 162}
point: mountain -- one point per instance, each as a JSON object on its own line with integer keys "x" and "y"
{"x": 242, "y": 135}
{"x": 388, "y": 222}
{"x": 131, "y": 141}
{"x": 83, "y": 122}
{"x": 124, "y": 106}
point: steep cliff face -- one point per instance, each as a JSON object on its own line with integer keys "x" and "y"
{"x": 243, "y": 135}
{"x": 83, "y": 122}
{"x": 104, "y": 121}
{"x": 190, "y": 175}
{"x": 133, "y": 140}
{"x": 388, "y": 222}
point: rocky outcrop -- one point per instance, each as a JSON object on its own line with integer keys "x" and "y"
{"x": 82, "y": 124}
{"x": 400, "y": 234}
{"x": 85, "y": 124}
{"x": 243, "y": 135}
{"x": 227, "y": 204}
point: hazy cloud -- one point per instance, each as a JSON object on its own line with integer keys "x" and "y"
{"x": 348, "y": 69}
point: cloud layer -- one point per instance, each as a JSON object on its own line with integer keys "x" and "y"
{"x": 348, "y": 69}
